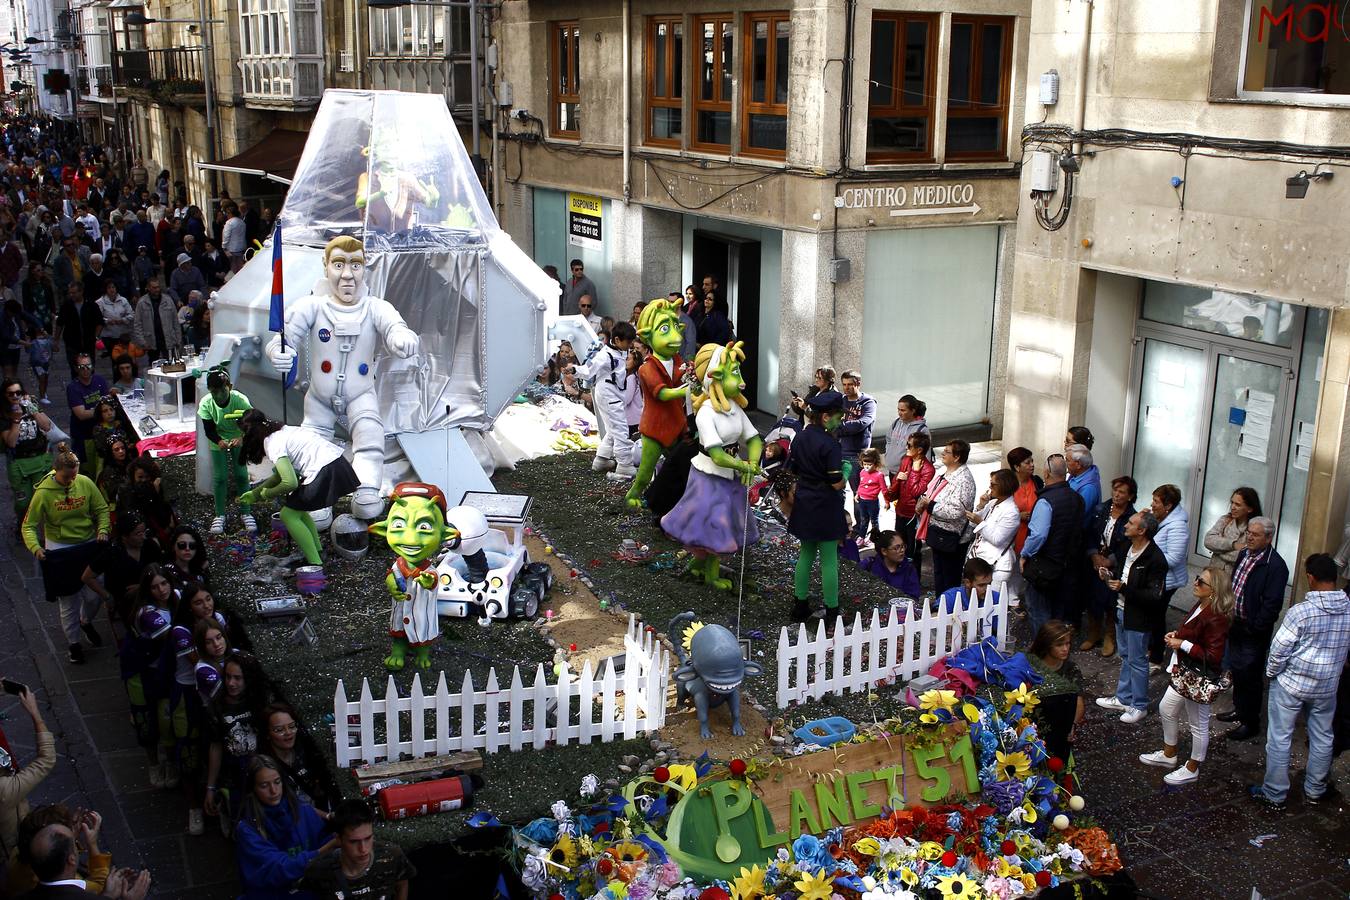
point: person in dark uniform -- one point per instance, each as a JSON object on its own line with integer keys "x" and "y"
{"x": 817, "y": 517}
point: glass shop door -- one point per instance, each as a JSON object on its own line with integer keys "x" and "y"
{"x": 1209, "y": 416}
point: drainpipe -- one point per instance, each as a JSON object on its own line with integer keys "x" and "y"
{"x": 473, "y": 85}
{"x": 1080, "y": 102}
{"x": 627, "y": 107}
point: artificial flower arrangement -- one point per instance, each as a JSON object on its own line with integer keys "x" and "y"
{"x": 1023, "y": 833}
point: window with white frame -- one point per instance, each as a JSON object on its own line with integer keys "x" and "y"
{"x": 419, "y": 31}
{"x": 282, "y": 45}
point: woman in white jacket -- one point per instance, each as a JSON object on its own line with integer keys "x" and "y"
{"x": 996, "y": 519}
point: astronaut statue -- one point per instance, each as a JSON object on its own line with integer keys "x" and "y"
{"x": 346, "y": 328}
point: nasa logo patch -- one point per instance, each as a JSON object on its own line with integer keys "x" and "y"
{"x": 325, "y": 335}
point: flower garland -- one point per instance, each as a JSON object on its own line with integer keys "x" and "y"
{"x": 1017, "y": 838}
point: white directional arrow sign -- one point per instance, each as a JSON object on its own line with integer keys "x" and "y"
{"x": 938, "y": 211}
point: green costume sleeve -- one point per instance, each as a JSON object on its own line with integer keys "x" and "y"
{"x": 283, "y": 480}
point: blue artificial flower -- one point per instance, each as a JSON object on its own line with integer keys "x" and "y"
{"x": 811, "y": 853}
{"x": 542, "y": 831}
{"x": 832, "y": 837}
{"x": 954, "y": 821}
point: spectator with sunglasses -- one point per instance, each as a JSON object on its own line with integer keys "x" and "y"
{"x": 187, "y": 565}
{"x": 574, "y": 288}
{"x": 83, "y": 394}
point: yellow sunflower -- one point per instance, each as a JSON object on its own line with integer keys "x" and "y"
{"x": 628, "y": 851}
{"x": 937, "y": 699}
{"x": 1023, "y": 695}
{"x": 689, "y": 633}
{"x": 814, "y": 886}
{"x": 564, "y": 852}
{"x": 749, "y": 885}
{"x": 1012, "y": 766}
{"x": 957, "y": 886}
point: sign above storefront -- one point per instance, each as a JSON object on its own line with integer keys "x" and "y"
{"x": 584, "y": 226}
{"x": 918, "y": 199}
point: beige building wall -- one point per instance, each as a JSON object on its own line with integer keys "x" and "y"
{"x": 1171, "y": 67}
{"x": 819, "y": 322}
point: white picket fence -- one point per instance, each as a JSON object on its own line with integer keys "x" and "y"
{"x": 629, "y": 703}
{"x": 898, "y": 645}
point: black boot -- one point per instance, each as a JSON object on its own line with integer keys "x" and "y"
{"x": 801, "y": 611}
{"x": 831, "y": 616}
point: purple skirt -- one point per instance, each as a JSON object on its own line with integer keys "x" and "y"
{"x": 711, "y": 515}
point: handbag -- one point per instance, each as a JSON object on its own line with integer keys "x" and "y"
{"x": 1194, "y": 682}
{"x": 942, "y": 540}
{"x": 1042, "y": 573}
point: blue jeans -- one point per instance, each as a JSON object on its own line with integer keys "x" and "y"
{"x": 1038, "y": 608}
{"x": 865, "y": 516}
{"x": 1132, "y": 689}
{"x": 1282, "y": 711}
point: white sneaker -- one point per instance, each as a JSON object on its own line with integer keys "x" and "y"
{"x": 1183, "y": 775}
{"x": 196, "y": 824}
{"x": 218, "y": 525}
{"x": 603, "y": 464}
{"x": 1133, "y": 716}
{"x": 250, "y": 523}
{"x": 156, "y": 775}
{"x": 622, "y": 473}
{"x": 1112, "y": 704}
{"x": 171, "y": 775}
{"x": 1160, "y": 759}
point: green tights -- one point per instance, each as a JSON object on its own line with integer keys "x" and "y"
{"x": 306, "y": 534}
{"x": 223, "y": 462}
{"x": 829, "y": 571}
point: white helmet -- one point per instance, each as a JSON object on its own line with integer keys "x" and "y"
{"x": 472, "y": 526}
{"x": 350, "y": 537}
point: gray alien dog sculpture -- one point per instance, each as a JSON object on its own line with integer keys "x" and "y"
{"x": 711, "y": 672}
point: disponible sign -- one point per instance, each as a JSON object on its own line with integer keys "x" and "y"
{"x": 920, "y": 199}
{"x": 584, "y": 221}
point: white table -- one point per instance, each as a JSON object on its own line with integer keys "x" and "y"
{"x": 155, "y": 377}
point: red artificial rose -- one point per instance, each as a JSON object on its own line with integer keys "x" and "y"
{"x": 1055, "y": 764}
{"x": 714, "y": 893}
{"x": 737, "y": 767}
{"x": 1008, "y": 848}
{"x": 1043, "y": 878}
{"x": 661, "y": 774}
{"x": 604, "y": 867}
{"x": 949, "y": 859}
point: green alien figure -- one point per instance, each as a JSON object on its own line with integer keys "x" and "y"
{"x": 415, "y": 529}
{"x": 661, "y": 378}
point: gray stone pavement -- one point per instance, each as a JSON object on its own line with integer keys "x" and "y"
{"x": 99, "y": 765}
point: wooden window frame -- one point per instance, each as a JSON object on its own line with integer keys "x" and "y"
{"x": 1004, "y": 89}
{"x": 748, "y": 105}
{"x": 898, "y": 109}
{"x": 696, "y": 103}
{"x": 674, "y": 66}
{"x": 556, "y": 97}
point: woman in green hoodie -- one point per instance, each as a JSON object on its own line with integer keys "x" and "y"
{"x": 73, "y": 517}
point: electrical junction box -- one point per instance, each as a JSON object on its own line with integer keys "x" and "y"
{"x": 1044, "y": 175}
{"x": 1050, "y": 88}
{"x": 840, "y": 270}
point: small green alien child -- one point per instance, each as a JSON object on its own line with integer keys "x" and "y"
{"x": 415, "y": 529}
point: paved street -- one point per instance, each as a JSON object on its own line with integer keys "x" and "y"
{"x": 99, "y": 765}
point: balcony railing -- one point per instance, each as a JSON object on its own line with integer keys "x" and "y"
{"x": 281, "y": 80}
{"x": 166, "y": 73}
{"x": 96, "y": 81}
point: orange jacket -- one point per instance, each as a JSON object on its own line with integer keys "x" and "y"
{"x": 662, "y": 420}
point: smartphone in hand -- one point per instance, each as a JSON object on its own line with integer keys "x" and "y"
{"x": 17, "y": 688}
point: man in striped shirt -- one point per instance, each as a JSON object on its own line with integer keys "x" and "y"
{"x": 1305, "y": 663}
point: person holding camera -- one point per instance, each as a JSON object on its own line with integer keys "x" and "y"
{"x": 16, "y": 782}
{"x": 28, "y": 432}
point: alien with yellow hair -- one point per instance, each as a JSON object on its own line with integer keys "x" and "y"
{"x": 712, "y": 516}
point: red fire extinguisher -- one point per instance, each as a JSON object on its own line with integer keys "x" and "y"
{"x": 422, "y": 798}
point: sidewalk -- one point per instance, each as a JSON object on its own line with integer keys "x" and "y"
{"x": 99, "y": 765}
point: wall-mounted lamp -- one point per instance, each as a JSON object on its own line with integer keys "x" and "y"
{"x": 1296, "y": 186}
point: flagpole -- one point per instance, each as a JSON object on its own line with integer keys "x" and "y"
{"x": 276, "y": 319}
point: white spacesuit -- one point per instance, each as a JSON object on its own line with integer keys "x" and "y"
{"x": 614, "y": 389}
{"x": 346, "y": 328}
